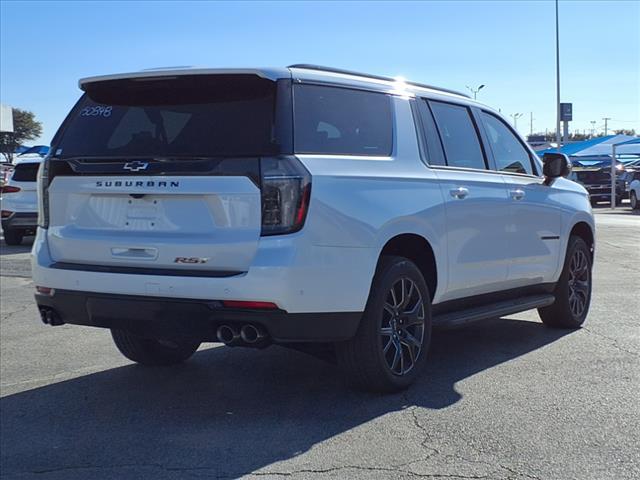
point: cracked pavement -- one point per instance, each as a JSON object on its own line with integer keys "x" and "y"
{"x": 502, "y": 399}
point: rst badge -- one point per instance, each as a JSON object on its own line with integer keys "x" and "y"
{"x": 190, "y": 260}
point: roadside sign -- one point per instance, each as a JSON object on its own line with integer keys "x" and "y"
{"x": 566, "y": 112}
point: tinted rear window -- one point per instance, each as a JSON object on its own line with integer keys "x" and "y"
{"x": 198, "y": 115}
{"x": 25, "y": 172}
{"x": 331, "y": 120}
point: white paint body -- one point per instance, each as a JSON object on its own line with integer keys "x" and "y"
{"x": 488, "y": 241}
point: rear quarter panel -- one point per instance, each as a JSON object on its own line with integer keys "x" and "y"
{"x": 363, "y": 202}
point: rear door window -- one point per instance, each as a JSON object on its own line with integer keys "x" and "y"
{"x": 333, "y": 120}
{"x": 509, "y": 154}
{"x": 459, "y": 136}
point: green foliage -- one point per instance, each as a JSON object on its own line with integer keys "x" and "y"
{"x": 625, "y": 132}
{"x": 25, "y": 127}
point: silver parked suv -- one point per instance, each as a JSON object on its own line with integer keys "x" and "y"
{"x": 305, "y": 206}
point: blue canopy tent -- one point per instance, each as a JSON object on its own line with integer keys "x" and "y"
{"x": 625, "y": 144}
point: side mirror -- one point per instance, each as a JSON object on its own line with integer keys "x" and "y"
{"x": 555, "y": 165}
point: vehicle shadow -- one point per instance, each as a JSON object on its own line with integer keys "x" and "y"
{"x": 24, "y": 247}
{"x": 229, "y": 412}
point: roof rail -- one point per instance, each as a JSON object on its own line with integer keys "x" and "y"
{"x": 309, "y": 66}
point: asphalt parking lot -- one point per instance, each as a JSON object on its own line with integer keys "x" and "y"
{"x": 502, "y": 399}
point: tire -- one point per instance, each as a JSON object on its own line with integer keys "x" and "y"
{"x": 593, "y": 202}
{"x": 573, "y": 290}
{"x": 618, "y": 201}
{"x": 634, "y": 200}
{"x": 148, "y": 351}
{"x": 13, "y": 237}
{"x": 389, "y": 351}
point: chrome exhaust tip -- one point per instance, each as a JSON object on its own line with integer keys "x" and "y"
{"x": 251, "y": 334}
{"x": 226, "y": 334}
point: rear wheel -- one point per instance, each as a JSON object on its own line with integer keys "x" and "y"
{"x": 390, "y": 348}
{"x": 573, "y": 291}
{"x": 148, "y": 351}
{"x": 13, "y": 237}
{"x": 634, "y": 200}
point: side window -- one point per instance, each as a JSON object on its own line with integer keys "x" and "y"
{"x": 434, "y": 145}
{"x": 510, "y": 155}
{"x": 459, "y": 137}
{"x": 337, "y": 120}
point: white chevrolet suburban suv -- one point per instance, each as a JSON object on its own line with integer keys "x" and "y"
{"x": 309, "y": 207}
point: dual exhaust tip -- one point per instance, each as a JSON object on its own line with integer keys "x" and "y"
{"x": 248, "y": 334}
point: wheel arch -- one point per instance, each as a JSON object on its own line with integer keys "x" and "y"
{"x": 417, "y": 249}
{"x": 583, "y": 230}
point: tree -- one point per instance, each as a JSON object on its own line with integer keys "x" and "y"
{"x": 625, "y": 132}
{"x": 25, "y": 127}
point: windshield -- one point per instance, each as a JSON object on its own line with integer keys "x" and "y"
{"x": 190, "y": 116}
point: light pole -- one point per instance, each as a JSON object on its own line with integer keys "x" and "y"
{"x": 557, "y": 78}
{"x": 515, "y": 117}
{"x": 593, "y": 128}
{"x": 475, "y": 91}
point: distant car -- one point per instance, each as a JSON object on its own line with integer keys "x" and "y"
{"x": 20, "y": 200}
{"x": 594, "y": 173}
{"x": 634, "y": 190}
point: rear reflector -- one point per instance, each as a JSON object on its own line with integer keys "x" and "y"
{"x": 45, "y": 290}
{"x": 248, "y": 304}
{"x": 9, "y": 189}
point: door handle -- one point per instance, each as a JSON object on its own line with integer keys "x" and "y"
{"x": 517, "y": 194}
{"x": 459, "y": 192}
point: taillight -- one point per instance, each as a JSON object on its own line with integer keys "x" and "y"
{"x": 43, "y": 194}
{"x": 286, "y": 191}
{"x": 9, "y": 189}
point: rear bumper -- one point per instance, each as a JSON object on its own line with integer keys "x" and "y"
{"x": 297, "y": 277}
{"x": 172, "y": 318}
{"x": 21, "y": 221}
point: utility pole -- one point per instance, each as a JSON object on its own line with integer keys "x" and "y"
{"x": 557, "y": 78}
{"x": 531, "y": 123}
{"x": 606, "y": 119}
{"x": 593, "y": 128}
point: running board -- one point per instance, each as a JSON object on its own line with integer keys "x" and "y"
{"x": 459, "y": 318}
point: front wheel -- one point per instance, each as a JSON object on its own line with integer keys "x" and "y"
{"x": 13, "y": 237}
{"x": 634, "y": 200}
{"x": 573, "y": 290}
{"x": 149, "y": 351}
{"x": 389, "y": 350}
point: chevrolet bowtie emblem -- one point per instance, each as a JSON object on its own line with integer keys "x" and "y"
{"x": 135, "y": 166}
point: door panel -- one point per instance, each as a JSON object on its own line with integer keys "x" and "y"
{"x": 477, "y": 209}
{"x": 534, "y": 231}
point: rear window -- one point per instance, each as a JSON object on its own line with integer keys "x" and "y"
{"x": 333, "y": 120}
{"x": 25, "y": 172}
{"x": 186, "y": 116}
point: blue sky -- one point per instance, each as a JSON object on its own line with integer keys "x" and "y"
{"x": 509, "y": 46}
